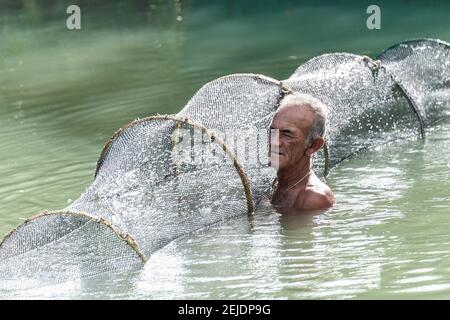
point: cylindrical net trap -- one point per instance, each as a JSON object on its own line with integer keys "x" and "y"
{"x": 162, "y": 177}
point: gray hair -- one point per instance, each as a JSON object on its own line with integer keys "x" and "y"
{"x": 318, "y": 126}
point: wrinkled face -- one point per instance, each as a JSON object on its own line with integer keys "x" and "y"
{"x": 289, "y": 128}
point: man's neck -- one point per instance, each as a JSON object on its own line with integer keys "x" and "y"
{"x": 289, "y": 176}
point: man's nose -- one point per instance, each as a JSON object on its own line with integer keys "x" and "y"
{"x": 275, "y": 137}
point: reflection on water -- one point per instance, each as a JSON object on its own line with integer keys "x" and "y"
{"x": 62, "y": 94}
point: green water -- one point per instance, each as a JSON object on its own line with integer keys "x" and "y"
{"x": 63, "y": 93}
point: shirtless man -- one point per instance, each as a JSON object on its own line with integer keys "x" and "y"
{"x": 297, "y": 132}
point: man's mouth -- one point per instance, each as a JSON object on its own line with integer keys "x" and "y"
{"x": 276, "y": 153}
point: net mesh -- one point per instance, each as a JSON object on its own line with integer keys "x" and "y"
{"x": 157, "y": 188}
{"x": 422, "y": 68}
{"x": 239, "y": 109}
{"x": 163, "y": 177}
{"x": 366, "y": 106}
{"x": 80, "y": 246}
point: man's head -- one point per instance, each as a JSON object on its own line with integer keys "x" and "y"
{"x": 297, "y": 130}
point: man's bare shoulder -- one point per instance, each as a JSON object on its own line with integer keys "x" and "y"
{"x": 318, "y": 196}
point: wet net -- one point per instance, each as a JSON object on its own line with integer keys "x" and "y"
{"x": 157, "y": 179}
{"x": 367, "y": 111}
{"x": 422, "y": 68}
{"x": 162, "y": 177}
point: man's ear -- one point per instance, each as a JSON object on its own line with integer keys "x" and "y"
{"x": 315, "y": 146}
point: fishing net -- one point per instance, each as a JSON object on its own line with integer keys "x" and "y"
{"x": 59, "y": 246}
{"x": 422, "y": 68}
{"x": 239, "y": 108}
{"x": 157, "y": 179}
{"x": 366, "y": 106}
{"x": 164, "y": 176}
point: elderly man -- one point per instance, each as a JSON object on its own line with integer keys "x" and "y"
{"x": 297, "y": 132}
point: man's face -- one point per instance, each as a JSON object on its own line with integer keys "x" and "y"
{"x": 289, "y": 129}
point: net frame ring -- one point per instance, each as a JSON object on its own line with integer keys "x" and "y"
{"x": 213, "y": 138}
